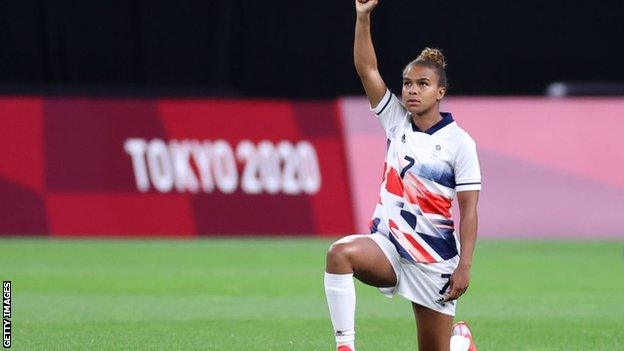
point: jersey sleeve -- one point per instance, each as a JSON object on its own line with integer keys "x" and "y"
{"x": 389, "y": 111}
{"x": 467, "y": 172}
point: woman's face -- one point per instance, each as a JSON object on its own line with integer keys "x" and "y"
{"x": 420, "y": 89}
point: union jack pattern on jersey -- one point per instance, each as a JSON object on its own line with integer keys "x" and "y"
{"x": 422, "y": 172}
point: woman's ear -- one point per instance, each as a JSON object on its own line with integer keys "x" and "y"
{"x": 441, "y": 93}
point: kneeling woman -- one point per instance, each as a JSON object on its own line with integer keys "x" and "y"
{"x": 412, "y": 249}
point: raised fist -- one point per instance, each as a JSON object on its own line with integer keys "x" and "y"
{"x": 365, "y": 6}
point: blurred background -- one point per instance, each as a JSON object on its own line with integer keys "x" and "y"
{"x": 95, "y": 80}
{"x": 126, "y": 126}
{"x": 303, "y": 49}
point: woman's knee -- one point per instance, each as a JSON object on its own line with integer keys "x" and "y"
{"x": 341, "y": 254}
{"x": 340, "y": 250}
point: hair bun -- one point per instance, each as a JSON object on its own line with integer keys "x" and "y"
{"x": 435, "y": 56}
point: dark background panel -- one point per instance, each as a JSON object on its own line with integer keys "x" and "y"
{"x": 24, "y": 214}
{"x": 85, "y": 138}
{"x": 219, "y": 214}
{"x": 22, "y": 49}
{"x": 301, "y": 49}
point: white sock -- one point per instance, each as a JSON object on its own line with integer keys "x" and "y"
{"x": 340, "y": 292}
{"x": 459, "y": 343}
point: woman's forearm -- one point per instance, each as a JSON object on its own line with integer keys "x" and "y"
{"x": 363, "y": 50}
{"x": 467, "y": 237}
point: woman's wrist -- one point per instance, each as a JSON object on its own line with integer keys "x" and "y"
{"x": 363, "y": 16}
{"x": 464, "y": 264}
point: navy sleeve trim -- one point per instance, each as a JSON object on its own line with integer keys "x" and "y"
{"x": 386, "y": 105}
{"x": 467, "y": 183}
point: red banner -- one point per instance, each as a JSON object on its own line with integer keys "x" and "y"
{"x": 93, "y": 166}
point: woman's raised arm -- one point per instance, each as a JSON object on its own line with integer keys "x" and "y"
{"x": 364, "y": 53}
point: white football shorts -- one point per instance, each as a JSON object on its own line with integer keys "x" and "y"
{"x": 420, "y": 283}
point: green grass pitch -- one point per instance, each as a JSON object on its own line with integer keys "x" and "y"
{"x": 267, "y": 294}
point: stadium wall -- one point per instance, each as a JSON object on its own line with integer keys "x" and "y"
{"x": 549, "y": 167}
{"x": 182, "y": 167}
{"x": 77, "y": 166}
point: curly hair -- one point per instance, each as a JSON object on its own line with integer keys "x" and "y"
{"x": 432, "y": 58}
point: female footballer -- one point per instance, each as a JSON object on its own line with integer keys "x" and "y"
{"x": 412, "y": 250}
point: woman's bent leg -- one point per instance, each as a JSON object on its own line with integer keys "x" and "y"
{"x": 359, "y": 256}
{"x": 434, "y": 329}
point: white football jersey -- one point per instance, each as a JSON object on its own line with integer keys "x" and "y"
{"x": 422, "y": 172}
